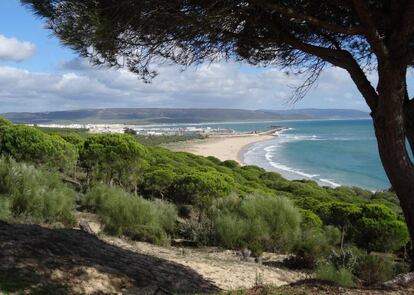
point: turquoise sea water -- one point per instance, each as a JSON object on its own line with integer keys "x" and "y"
{"x": 332, "y": 152}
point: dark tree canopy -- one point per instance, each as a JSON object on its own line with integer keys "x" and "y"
{"x": 299, "y": 34}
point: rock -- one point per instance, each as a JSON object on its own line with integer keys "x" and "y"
{"x": 401, "y": 280}
{"x": 84, "y": 226}
{"x": 246, "y": 253}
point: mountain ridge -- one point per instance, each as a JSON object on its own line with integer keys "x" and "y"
{"x": 177, "y": 115}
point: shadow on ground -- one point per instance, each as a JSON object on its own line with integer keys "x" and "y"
{"x": 66, "y": 261}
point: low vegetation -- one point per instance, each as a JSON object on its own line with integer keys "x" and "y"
{"x": 35, "y": 195}
{"x": 124, "y": 214}
{"x": 139, "y": 191}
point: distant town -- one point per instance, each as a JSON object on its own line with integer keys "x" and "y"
{"x": 159, "y": 130}
{"x": 141, "y": 130}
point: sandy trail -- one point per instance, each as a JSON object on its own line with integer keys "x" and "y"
{"x": 224, "y": 268}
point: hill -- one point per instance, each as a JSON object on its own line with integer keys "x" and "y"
{"x": 161, "y": 115}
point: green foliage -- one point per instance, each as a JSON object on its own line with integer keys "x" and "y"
{"x": 29, "y": 144}
{"x": 184, "y": 211}
{"x": 158, "y": 183}
{"x": 201, "y": 188}
{"x": 5, "y": 122}
{"x": 373, "y": 227}
{"x": 233, "y": 232}
{"x": 35, "y": 195}
{"x": 113, "y": 158}
{"x": 132, "y": 216}
{"x": 165, "y": 139}
{"x": 315, "y": 244}
{"x": 373, "y": 268}
{"x": 236, "y": 205}
{"x": 199, "y": 231}
{"x": 73, "y": 138}
{"x": 338, "y": 213}
{"x": 378, "y": 229}
{"x": 5, "y": 213}
{"x": 344, "y": 258}
{"x": 258, "y": 222}
{"x": 310, "y": 219}
{"x": 230, "y": 164}
{"x": 341, "y": 277}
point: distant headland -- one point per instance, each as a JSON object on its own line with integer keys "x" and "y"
{"x": 144, "y": 116}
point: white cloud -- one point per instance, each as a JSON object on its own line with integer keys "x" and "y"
{"x": 15, "y": 50}
{"x": 78, "y": 85}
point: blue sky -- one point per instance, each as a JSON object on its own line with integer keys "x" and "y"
{"x": 38, "y": 74}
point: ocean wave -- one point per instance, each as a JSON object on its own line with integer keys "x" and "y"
{"x": 330, "y": 182}
{"x": 292, "y": 170}
{"x": 297, "y": 137}
{"x": 269, "y": 156}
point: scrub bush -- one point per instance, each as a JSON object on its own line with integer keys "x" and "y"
{"x": 257, "y": 222}
{"x": 341, "y": 277}
{"x": 33, "y": 194}
{"x": 125, "y": 214}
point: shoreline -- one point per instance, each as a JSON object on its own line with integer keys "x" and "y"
{"x": 222, "y": 147}
{"x": 234, "y": 147}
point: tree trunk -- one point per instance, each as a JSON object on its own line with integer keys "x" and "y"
{"x": 342, "y": 237}
{"x": 409, "y": 121}
{"x": 391, "y": 132}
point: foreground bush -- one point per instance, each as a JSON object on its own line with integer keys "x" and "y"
{"x": 374, "y": 269}
{"x": 341, "y": 277}
{"x": 315, "y": 244}
{"x": 126, "y": 214}
{"x": 34, "y": 195}
{"x": 257, "y": 222}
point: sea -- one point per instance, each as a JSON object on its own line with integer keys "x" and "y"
{"x": 330, "y": 152}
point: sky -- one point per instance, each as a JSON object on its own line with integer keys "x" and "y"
{"x": 38, "y": 74}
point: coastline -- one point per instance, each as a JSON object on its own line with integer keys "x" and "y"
{"x": 234, "y": 147}
{"x": 222, "y": 147}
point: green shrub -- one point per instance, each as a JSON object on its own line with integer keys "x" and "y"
{"x": 31, "y": 145}
{"x": 344, "y": 258}
{"x": 310, "y": 219}
{"x": 271, "y": 222}
{"x": 201, "y": 232}
{"x": 5, "y": 122}
{"x": 157, "y": 183}
{"x": 5, "y": 212}
{"x": 113, "y": 158}
{"x": 184, "y": 211}
{"x": 34, "y": 194}
{"x": 341, "y": 277}
{"x": 232, "y": 231}
{"x": 372, "y": 268}
{"x": 230, "y": 164}
{"x": 125, "y": 214}
{"x": 379, "y": 229}
{"x": 201, "y": 188}
{"x": 315, "y": 244}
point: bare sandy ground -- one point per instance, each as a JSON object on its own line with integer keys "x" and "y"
{"x": 224, "y": 268}
{"x": 223, "y": 147}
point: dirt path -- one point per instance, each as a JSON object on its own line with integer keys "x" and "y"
{"x": 224, "y": 268}
{"x": 38, "y": 260}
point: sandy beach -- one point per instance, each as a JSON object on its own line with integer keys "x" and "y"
{"x": 221, "y": 147}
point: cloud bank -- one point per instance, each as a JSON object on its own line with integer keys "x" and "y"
{"x": 76, "y": 85}
{"x": 15, "y": 50}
